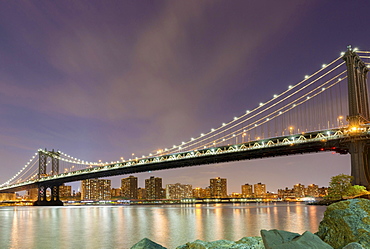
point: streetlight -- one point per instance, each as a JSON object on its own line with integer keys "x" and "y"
{"x": 243, "y": 136}
{"x": 339, "y": 121}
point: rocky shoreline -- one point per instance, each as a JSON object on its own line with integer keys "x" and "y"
{"x": 346, "y": 225}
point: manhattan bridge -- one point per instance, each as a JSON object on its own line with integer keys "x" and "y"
{"x": 325, "y": 111}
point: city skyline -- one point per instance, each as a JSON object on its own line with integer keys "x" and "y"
{"x": 101, "y": 82}
{"x": 204, "y": 186}
{"x": 101, "y": 189}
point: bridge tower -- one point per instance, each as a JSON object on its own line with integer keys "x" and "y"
{"x": 358, "y": 115}
{"x": 42, "y": 199}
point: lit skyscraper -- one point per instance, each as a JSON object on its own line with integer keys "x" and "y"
{"x": 312, "y": 190}
{"x": 96, "y": 189}
{"x": 153, "y": 187}
{"x": 129, "y": 187}
{"x": 218, "y": 187}
{"x": 259, "y": 190}
{"x": 247, "y": 190}
{"x": 299, "y": 190}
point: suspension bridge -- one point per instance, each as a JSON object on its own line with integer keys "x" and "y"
{"x": 327, "y": 110}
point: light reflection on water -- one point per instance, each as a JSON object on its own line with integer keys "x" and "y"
{"x": 170, "y": 225}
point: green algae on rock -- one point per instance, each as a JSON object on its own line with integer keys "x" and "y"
{"x": 345, "y": 222}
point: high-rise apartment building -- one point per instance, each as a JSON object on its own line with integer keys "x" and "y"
{"x": 299, "y": 190}
{"x": 96, "y": 189}
{"x": 65, "y": 191}
{"x": 129, "y": 187}
{"x": 153, "y": 187}
{"x": 312, "y": 190}
{"x": 218, "y": 187}
{"x": 286, "y": 193}
{"x": 259, "y": 190}
{"x": 247, "y": 191}
{"x": 178, "y": 191}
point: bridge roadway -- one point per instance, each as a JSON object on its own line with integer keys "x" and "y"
{"x": 326, "y": 140}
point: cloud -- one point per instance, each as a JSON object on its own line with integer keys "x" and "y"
{"x": 154, "y": 76}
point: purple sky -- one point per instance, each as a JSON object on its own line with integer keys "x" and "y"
{"x": 100, "y": 80}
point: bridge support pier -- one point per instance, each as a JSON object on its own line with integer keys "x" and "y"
{"x": 359, "y": 114}
{"x": 42, "y": 199}
{"x": 360, "y": 158}
{"x": 53, "y": 199}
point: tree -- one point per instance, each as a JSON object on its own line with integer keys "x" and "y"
{"x": 340, "y": 186}
{"x": 357, "y": 190}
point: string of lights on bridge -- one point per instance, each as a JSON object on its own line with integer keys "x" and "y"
{"x": 215, "y": 136}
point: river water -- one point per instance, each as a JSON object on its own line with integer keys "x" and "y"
{"x": 168, "y": 225}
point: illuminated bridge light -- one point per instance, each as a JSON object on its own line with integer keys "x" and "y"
{"x": 289, "y": 87}
{"x": 261, "y": 104}
{"x": 235, "y": 118}
{"x": 323, "y": 65}
{"x": 212, "y": 129}
{"x": 202, "y": 134}
{"x": 306, "y": 76}
{"x": 248, "y": 111}
{"x": 323, "y": 89}
{"x": 275, "y": 96}
{"x": 223, "y": 124}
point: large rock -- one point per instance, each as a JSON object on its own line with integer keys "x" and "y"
{"x": 244, "y": 243}
{"x": 278, "y": 239}
{"x": 275, "y": 237}
{"x": 147, "y": 244}
{"x": 345, "y": 222}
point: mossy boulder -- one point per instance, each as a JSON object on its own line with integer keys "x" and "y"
{"x": 345, "y": 222}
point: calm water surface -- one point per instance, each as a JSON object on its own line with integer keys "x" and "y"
{"x": 170, "y": 226}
